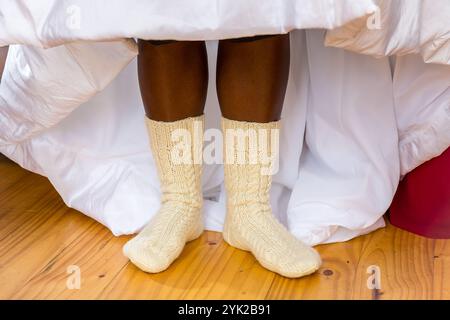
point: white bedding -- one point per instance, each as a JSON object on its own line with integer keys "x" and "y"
{"x": 352, "y": 124}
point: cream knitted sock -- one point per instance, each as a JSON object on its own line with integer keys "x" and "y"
{"x": 250, "y": 224}
{"x": 179, "y": 219}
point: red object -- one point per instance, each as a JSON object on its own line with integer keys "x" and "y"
{"x": 422, "y": 202}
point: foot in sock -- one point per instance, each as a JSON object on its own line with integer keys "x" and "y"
{"x": 253, "y": 228}
{"x": 179, "y": 219}
{"x": 250, "y": 224}
{"x": 163, "y": 239}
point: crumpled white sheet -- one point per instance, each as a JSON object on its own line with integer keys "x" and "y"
{"x": 40, "y": 88}
{"x": 335, "y": 185}
{"x": 422, "y": 106}
{"x": 399, "y": 27}
{"x": 48, "y": 23}
{"x": 98, "y": 157}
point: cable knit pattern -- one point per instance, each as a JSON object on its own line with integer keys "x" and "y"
{"x": 179, "y": 219}
{"x": 250, "y": 224}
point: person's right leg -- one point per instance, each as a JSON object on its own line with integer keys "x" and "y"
{"x": 173, "y": 78}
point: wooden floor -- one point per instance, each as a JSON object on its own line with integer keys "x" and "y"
{"x": 41, "y": 240}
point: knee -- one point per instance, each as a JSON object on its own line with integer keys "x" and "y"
{"x": 254, "y": 38}
{"x": 145, "y": 45}
{"x": 156, "y": 42}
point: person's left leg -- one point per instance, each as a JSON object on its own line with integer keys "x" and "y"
{"x": 252, "y": 76}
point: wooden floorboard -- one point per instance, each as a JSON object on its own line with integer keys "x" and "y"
{"x": 42, "y": 241}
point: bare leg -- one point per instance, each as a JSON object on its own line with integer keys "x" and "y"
{"x": 173, "y": 77}
{"x": 252, "y": 75}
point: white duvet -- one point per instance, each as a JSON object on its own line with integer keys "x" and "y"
{"x": 352, "y": 124}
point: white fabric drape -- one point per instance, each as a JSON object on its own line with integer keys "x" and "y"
{"x": 48, "y": 23}
{"x": 399, "y": 27}
{"x": 352, "y": 124}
